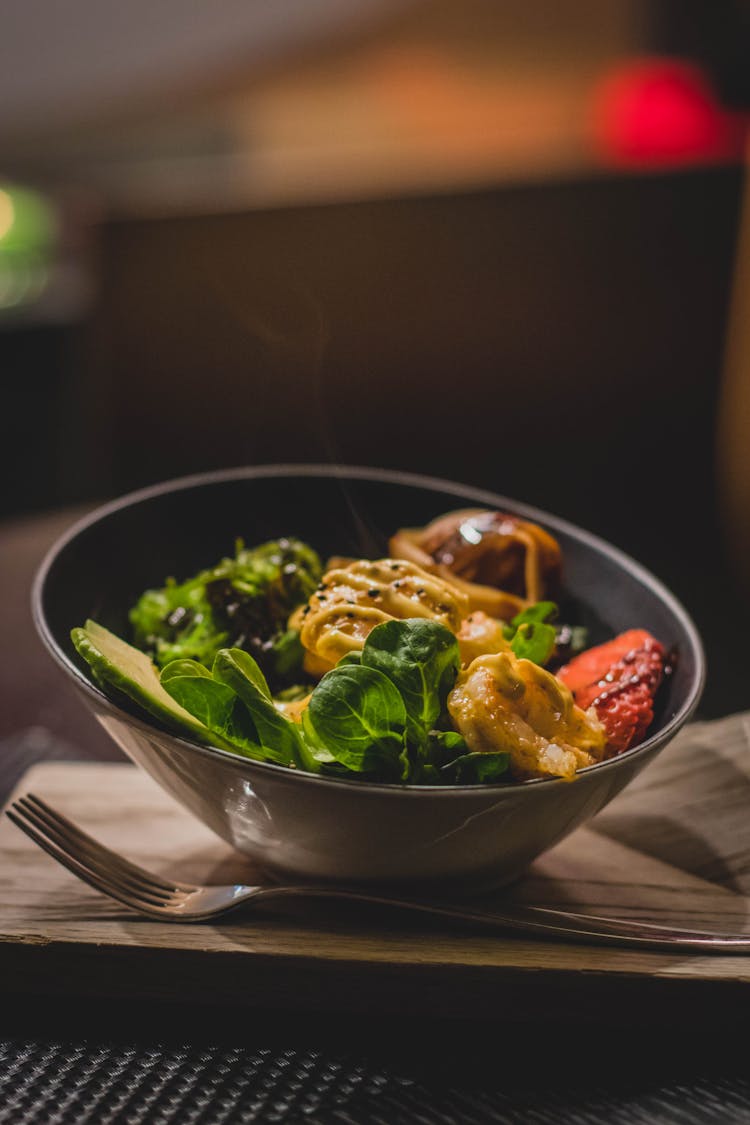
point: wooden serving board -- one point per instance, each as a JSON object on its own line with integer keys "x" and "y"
{"x": 675, "y": 847}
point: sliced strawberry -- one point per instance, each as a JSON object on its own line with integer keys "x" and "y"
{"x": 619, "y": 680}
{"x": 593, "y": 665}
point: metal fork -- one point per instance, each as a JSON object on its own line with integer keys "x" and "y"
{"x": 170, "y": 901}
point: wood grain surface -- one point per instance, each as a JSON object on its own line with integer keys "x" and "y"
{"x": 675, "y": 847}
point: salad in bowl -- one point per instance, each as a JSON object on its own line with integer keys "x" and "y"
{"x": 400, "y": 669}
{"x": 348, "y": 692}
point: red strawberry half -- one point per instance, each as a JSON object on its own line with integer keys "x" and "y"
{"x": 619, "y": 679}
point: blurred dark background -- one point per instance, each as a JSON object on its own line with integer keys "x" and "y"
{"x": 494, "y": 243}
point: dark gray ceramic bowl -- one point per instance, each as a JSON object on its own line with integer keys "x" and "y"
{"x": 457, "y": 838}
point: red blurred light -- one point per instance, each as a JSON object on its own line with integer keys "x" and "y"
{"x": 663, "y": 112}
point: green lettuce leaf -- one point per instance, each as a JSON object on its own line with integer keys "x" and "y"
{"x": 214, "y": 704}
{"x": 530, "y": 633}
{"x": 279, "y": 737}
{"x": 421, "y": 659}
{"x": 241, "y": 602}
{"x": 476, "y": 769}
{"x": 358, "y": 716}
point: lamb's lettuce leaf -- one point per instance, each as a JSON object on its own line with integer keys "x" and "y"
{"x": 214, "y": 704}
{"x": 421, "y": 659}
{"x": 358, "y": 716}
{"x": 445, "y": 746}
{"x": 237, "y": 671}
{"x": 476, "y": 769}
{"x": 530, "y": 633}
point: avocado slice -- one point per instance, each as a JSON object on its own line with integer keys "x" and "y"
{"x": 130, "y": 671}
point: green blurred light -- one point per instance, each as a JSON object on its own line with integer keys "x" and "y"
{"x": 28, "y": 235}
{"x": 27, "y": 221}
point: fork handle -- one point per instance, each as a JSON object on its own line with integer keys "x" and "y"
{"x": 541, "y": 921}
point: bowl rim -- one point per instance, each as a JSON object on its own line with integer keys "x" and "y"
{"x": 464, "y": 492}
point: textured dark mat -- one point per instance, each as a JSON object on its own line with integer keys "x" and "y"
{"x": 65, "y": 1083}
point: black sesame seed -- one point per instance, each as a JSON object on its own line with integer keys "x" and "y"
{"x": 374, "y": 593}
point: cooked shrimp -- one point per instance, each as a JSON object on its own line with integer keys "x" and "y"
{"x": 501, "y": 703}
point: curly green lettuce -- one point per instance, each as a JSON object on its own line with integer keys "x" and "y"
{"x": 242, "y": 602}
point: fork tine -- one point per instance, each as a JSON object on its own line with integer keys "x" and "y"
{"x": 87, "y": 856}
{"x": 127, "y": 886}
{"x": 78, "y": 869}
{"x": 74, "y": 833}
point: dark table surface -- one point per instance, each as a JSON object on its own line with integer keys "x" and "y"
{"x": 181, "y": 1064}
